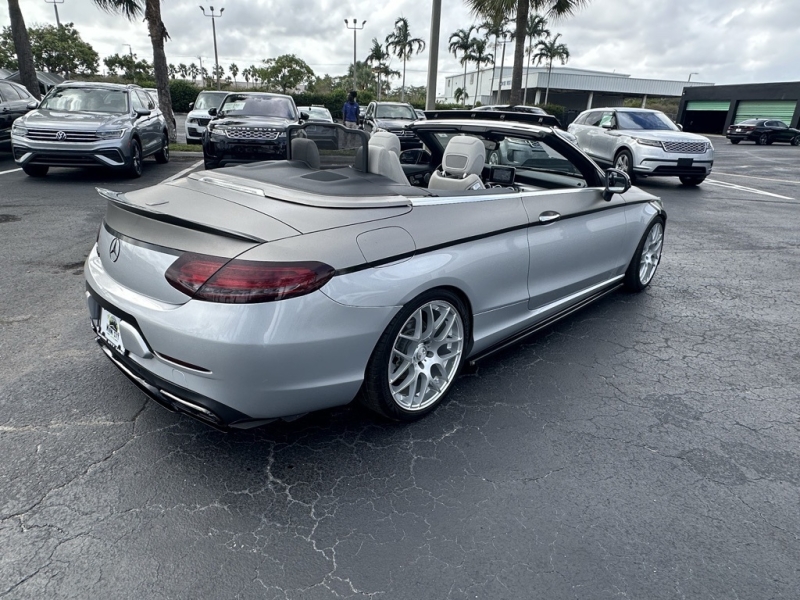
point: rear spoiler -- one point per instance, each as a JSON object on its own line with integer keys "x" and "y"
{"x": 494, "y": 115}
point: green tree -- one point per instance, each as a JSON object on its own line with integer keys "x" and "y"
{"x": 365, "y": 76}
{"x": 55, "y": 50}
{"x": 479, "y": 56}
{"x": 22, "y": 48}
{"x": 234, "y": 69}
{"x": 287, "y": 72}
{"x": 495, "y": 27}
{"x": 461, "y": 43}
{"x": 536, "y": 29}
{"x": 549, "y": 50}
{"x": 379, "y": 57}
{"x": 129, "y": 66}
{"x": 519, "y": 10}
{"x": 461, "y": 95}
{"x": 218, "y": 72}
{"x": 173, "y": 71}
{"x": 183, "y": 70}
{"x": 131, "y": 9}
{"x": 194, "y": 72}
{"x": 403, "y": 46}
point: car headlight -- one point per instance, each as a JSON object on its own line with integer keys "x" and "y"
{"x": 110, "y": 134}
{"x": 646, "y": 142}
{"x": 19, "y": 130}
{"x": 709, "y": 146}
{"x": 282, "y": 134}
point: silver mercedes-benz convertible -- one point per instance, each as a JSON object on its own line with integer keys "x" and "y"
{"x": 269, "y": 290}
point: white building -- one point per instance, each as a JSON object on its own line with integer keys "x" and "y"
{"x": 575, "y": 89}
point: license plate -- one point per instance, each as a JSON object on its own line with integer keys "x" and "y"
{"x": 738, "y": 130}
{"x": 685, "y": 162}
{"x": 109, "y": 329}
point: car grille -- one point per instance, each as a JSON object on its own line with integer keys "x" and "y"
{"x": 685, "y": 147}
{"x": 252, "y": 134}
{"x": 52, "y": 135}
{"x": 202, "y": 122}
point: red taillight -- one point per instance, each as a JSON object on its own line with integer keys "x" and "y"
{"x": 217, "y": 279}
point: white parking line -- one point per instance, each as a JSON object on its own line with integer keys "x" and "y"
{"x": 740, "y": 188}
{"x": 10, "y": 171}
{"x": 180, "y": 174}
{"x": 754, "y": 177}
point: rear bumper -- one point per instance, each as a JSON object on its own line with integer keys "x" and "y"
{"x": 742, "y": 136}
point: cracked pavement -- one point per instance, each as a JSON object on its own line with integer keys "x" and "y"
{"x": 646, "y": 447}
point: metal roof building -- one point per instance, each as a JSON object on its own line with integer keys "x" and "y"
{"x": 576, "y": 89}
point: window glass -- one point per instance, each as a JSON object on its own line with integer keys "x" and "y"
{"x": 259, "y": 106}
{"x": 782, "y": 125}
{"x": 645, "y": 121}
{"x": 87, "y": 99}
{"x": 399, "y": 111}
{"x": 593, "y": 118}
{"x": 9, "y": 92}
{"x": 138, "y": 102}
{"x": 206, "y": 100}
{"x": 146, "y": 99}
{"x": 607, "y": 119}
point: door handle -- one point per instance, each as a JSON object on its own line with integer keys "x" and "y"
{"x": 549, "y": 216}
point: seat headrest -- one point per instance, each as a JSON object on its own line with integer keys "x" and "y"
{"x": 464, "y": 155}
{"x": 387, "y": 140}
{"x": 307, "y": 151}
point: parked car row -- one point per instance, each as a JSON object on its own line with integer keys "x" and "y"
{"x": 763, "y": 132}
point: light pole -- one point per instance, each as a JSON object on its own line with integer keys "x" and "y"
{"x": 214, "y": 17}
{"x": 502, "y": 68}
{"x": 690, "y": 76}
{"x": 133, "y": 62}
{"x": 355, "y": 27}
{"x": 55, "y": 4}
{"x": 433, "y": 55}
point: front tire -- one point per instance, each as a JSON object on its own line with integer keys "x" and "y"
{"x": 624, "y": 162}
{"x": 692, "y": 181}
{"x": 35, "y": 170}
{"x": 796, "y": 140}
{"x": 135, "y": 166}
{"x": 418, "y": 357}
{"x": 644, "y": 263}
{"x": 162, "y": 156}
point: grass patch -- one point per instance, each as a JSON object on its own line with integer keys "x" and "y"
{"x": 185, "y": 148}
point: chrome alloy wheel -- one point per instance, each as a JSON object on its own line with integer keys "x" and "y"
{"x": 622, "y": 163}
{"x": 425, "y": 355}
{"x": 651, "y": 253}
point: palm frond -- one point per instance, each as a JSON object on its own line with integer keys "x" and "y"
{"x": 130, "y": 9}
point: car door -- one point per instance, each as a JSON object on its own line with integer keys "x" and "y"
{"x": 576, "y": 238}
{"x": 144, "y": 124}
{"x": 604, "y": 143}
{"x": 12, "y": 106}
{"x": 589, "y": 133}
{"x": 782, "y": 132}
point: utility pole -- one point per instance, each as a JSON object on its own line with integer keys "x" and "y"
{"x": 502, "y": 68}
{"x": 55, "y": 4}
{"x": 214, "y": 17}
{"x": 433, "y": 55}
{"x": 200, "y": 58}
{"x": 133, "y": 62}
{"x": 355, "y": 27}
{"x": 690, "y": 76}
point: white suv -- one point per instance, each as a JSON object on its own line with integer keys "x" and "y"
{"x": 643, "y": 142}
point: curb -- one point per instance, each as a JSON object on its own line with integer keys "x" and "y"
{"x": 187, "y": 154}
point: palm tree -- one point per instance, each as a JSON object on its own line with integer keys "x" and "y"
{"x": 480, "y": 57}
{"x": 234, "y": 69}
{"x": 183, "y": 70}
{"x": 461, "y": 95}
{"x": 537, "y": 28}
{"x": 158, "y": 35}
{"x": 549, "y": 50}
{"x": 378, "y": 57}
{"x": 173, "y": 70}
{"x": 194, "y": 72}
{"x": 520, "y": 9}
{"x": 403, "y": 46}
{"x": 460, "y": 42}
{"x": 496, "y": 27}
{"x": 22, "y": 46}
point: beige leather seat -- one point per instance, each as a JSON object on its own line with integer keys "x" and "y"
{"x": 384, "y": 156}
{"x": 462, "y": 165}
{"x": 307, "y": 151}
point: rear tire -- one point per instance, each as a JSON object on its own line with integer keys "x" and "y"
{"x": 35, "y": 170}
{"x": 644, "y": 263}
{"x": 418, "y": 357}
{"x": 796, "y": 140}
{"x": 135, "y": 166}
{"x": 624, "y": 162}
{"x": 734, "y": 142}
{"x": 162, "y": 156}
{"x": 692, "y": 181}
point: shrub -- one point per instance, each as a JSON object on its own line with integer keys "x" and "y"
{"x": 183, "y": 93}
{"x": 558, "y": 111}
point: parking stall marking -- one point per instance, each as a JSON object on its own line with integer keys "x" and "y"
{"x": 754, "y": 177}
{"x": 10, "y": 171}
{"x": 180, "y": 174}
{"x": 741, "y": 188}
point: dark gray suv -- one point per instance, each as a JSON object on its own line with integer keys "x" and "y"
{"x": 87, "y": 124}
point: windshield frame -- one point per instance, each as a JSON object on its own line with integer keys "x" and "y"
{"x": 51, "y": 96}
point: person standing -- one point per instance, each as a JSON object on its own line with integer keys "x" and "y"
{"x": 350, "y": 111}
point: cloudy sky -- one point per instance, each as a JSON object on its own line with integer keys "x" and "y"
{"x": 724, "y": 41}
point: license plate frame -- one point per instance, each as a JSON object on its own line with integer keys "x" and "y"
{"x": 110, "y": 330}
{"x": 685, "y": 162}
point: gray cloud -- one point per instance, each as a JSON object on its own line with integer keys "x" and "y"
{"x": 725, "y": 42}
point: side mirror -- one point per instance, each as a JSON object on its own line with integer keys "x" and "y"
{"x": 33, "y": 104}
{"x": 617, "y": 182}
{"x": 212, "y": 112}
{"x": 191, "y": 105}
{"x": 607, "y": 126}
{"x": 304, "y": 116}
{"x": 680, "y": 126}
{"x": 142, "y": 112}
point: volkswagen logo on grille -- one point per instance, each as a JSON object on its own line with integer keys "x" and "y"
{"x": 61, "y": 136}
{"x": 114, "y": 249}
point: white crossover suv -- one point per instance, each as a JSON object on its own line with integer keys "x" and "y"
{"x": 198, "y": 116}
{"x": 644, "y": 143}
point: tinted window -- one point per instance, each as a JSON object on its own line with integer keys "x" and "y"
{"x": 593, "y": 118}
{"x": 259, "y": 106}
{"x": 146, "y": 99}
{"x": 395, "y": 112}
{"x": 749, "y": 122}
{"x": 9, "y": 92}
{"x": 782, "y": 125}
{"x": 645, "y": 121}
{"x": 206, "y": 100}
{"x": 138, "y": 102}
{"x": 101, "y": 100}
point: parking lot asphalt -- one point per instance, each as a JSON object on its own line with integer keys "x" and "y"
{"x": 647, "y": 447}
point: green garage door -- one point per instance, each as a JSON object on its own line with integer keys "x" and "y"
{"x": 780, "y": 110}
{"x": 708, "y": 105}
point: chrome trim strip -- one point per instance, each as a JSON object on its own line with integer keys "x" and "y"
{"x": 435, "y": 200}
{"x": 231, "y": 186}
{"x": 572, "y": 297}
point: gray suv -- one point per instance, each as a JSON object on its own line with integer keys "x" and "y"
{"x": 85, "y": 124}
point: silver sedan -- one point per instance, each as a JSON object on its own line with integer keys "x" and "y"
{"x": 274, "y": 289}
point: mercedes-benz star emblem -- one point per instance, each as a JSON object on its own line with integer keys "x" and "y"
{"x": 61, "y": 136}
{"x": 113, "y": 249}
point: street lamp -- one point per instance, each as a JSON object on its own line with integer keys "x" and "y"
{"x": 690, "y": 76}
{"x": 355, "y": 27}
{"x": 133, "y": 62}
{"x": 214, "y": 16}
{"x": 55, "y": 4}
